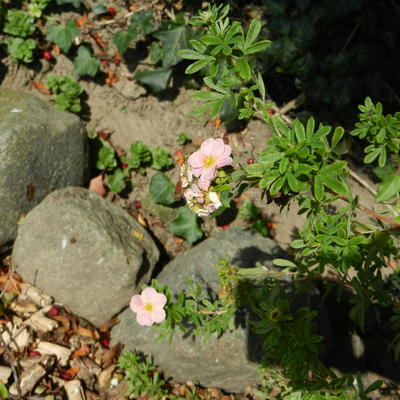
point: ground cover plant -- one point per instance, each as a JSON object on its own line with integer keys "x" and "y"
{"x": 305, "y": 163}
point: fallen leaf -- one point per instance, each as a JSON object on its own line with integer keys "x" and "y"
{"x": 216, "y": 123}
{"x": 141, "y": 220}
{"x": 84, "y": 350}
{"x": 81, "y": 21}
{"x": 40, "y": 86}
{"x": 96, "y": 185}
{"x": 72, "y": 371}
{"x": 91, "y": 333}
{"x": 111, "y": 356}
{"x": 108, "y": 325}
{"x": 138, "y": 235}
{"x": 98, "y": 40}
{"x": 111, "y": 77}
{"x": 179, "y": 157}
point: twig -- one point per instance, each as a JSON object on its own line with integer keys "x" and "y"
{"x": 362, "y": 182}
{"x": 212, "y": 312}
{"x": 292, "y": 104}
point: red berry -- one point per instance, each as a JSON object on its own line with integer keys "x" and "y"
{"x": 106, "y": 343}
{"x": 226, "y": 226}
{"x": 138, "y": 204}
{"x": 269, "y": 225}
{"x": 34, "y": 353}
{"x": 47, "y": 55}
{"x": 66, "y": 375}
{"x": 124, "y": 165}
{"x": 105, "y": 62}
{"x": 270, "y": 111}
{"x": 53, "y": 311}
{"x": 250, "y": 160}
{"x": 117, "y": 62}
{"x": 111, "y": 11}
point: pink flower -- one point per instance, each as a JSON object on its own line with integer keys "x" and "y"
{"x": 148, "y": 307}
{"x": 213, "y": 154}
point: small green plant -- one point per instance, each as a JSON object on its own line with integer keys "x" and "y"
{"x": 381, "y": 131}
{"x": 253, "y": 214}
{"x": 20, "y": 49}
{"x": 67, "y": 91}
{"x": 142, "y": 377}
{"x": 182, "y": 138}
{"x": 19, "y": 23}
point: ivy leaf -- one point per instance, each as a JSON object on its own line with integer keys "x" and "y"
{"x": 161, "y": 189}
{"x": 186, "y": 225}
{"x": 84, "y": 63}
{"x": 156, "y": 79}
{"x": 173, "y": 40}
{"x": 63, "y": 35}
{"x": 116, "y": 181}
{"x": 122, "y": 39}
{"x": 389, "y": 188}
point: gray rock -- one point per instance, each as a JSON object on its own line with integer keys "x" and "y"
{"x": 229, "y": 362}
{"x": 85, "y": 252}
{"x": 41, "y": 149}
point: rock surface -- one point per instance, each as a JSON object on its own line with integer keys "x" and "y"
{"x": 229, "y": 362}
{"x": 41, "y": 149}
{"x": 85, "y": 252}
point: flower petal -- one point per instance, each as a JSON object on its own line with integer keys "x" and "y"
{"x": 196, "y": 171}
{"x": 158, "y": 315}
{"x": 208, "y": 147}
{"x": 222, "y": 162}
{"x": 144, "y": 318}
{"x": 204, "y": 183}
{"x": 219, "y": 147}
{"x": 196, "y": 159}
{"x": 148, "y": 295}
{"x": 160, "y": 300}
{"x": 136, "y": 303}
{"x": 209, "y": 173}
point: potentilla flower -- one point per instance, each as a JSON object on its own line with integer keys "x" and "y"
{"x": 148, "y": 307}
{"x": 213, "y": 154}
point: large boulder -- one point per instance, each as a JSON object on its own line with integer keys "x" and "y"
{"x": 41, "y": 149}
{"x": 85, "y": 252}
{"x": 228, "y": 362}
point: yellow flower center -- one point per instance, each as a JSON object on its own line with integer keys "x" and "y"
{"x": 208, "y": 161}
{"x": 148, "y": 307}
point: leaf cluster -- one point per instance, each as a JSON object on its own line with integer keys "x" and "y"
{"x": 67, "y": 91}
{"x": 381, "y": 131}
{"x": 223, "y": 54}
{"x": 142, "y": 376}
{"x": 118, "y": 169}
{"x": 297, "y": 160}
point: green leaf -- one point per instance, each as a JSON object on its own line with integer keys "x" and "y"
{"x": 318, "y": 189}
{"x": 337, "y": 135}
{"x": 253, "y": 32}
{"x": 156, "y": 79}
{"x": 373, "y": 386}
{"x": 257, "y": 47}
{"x": 299, "y": 130}
{"x": 161, "y": 189}
{"x": 63, "y": 35}
{"x": 282, "y": 262}
{"x": 186, "y": 225}
{"x": 310, "y": 127}
{"x": 116, "y": 181}
{"x": 3, "y": 392}
{"x": 297, "y": 244}
{"x": 243, "y": 67}
{"x": 333, "y": 169}
{"x": 293, "y": 183}
{"x": 389, "y": 188}
{"x": 198, "y": 65}
{"x": 371, "y": 156}
{"x": 191, "y": 55}
{"x": 173, "y": 41}
{"x": 84, "y": 63}
{"x": 122, "y": 39}
{"x": 334, "y": 184}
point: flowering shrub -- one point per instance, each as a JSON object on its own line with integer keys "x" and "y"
{"x": 302, "y": 163}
